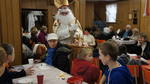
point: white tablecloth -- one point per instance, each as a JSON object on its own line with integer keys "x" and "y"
{"x": 121, "y": 42}
{"x": 51, "y": 75}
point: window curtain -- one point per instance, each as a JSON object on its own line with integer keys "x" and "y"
{"x": 111, "y": 12}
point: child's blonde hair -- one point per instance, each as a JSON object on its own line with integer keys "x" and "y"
{"x": 84, "y": 52}
{"x": 3, "y": 56}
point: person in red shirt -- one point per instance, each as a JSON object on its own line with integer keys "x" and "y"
{"x": 82, "y": 66}
{"x": 42, "y": 35}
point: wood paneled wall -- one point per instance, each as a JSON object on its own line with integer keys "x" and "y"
{"x": 82, "y": 12}
{"x": 51, "y": 11}
{"x": 89, "y": 14}
{"x": 10, "y": 31}
{"x": 78, "y": 9}
{"x": 34, "y": 4}
{"x": 99, "y": 9}
{"x": 124, "y": 9}
{"x": 0, "y": 28}
{"x": 145, "y": 20}
{"x": 10, "y": 26}
{"x": 40, "y": 4}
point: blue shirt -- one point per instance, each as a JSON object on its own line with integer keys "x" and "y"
{"x": 125, "y": 35}
{"x": 119, "y": 75}
{"x": 50, "y": 55}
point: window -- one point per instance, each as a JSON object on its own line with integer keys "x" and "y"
{"x": 111, "y": 12}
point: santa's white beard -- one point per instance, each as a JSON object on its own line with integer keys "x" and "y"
{"x": 65, "y": 19}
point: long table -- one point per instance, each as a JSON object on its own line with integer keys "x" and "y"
{"x": 51, "y": 75}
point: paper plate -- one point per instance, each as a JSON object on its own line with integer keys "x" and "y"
{"x": 25, "y": 81}
{"x": 43, "y": 67}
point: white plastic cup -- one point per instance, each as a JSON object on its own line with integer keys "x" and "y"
{"x": 31, "y": 61}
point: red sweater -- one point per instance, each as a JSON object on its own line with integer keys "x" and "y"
{"x": 85, "y": 69}
{"x": 41, "y": 38}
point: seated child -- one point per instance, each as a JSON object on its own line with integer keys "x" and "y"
{"x": 39, "y": 51}
{"x": 9, "y": 74}
{"x": 83, "y": 68}
{"x": 116, "y": 73}
{"x": 2, "y": 60}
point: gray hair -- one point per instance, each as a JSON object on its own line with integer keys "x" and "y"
{"x": 143, "y": 35}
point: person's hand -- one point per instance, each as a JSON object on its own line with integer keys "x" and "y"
{"x": 29, "y": 71}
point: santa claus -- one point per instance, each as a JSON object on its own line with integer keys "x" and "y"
{"x": 66, "y": 26}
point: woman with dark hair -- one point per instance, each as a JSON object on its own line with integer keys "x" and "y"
{"x": 9, "y": 74}
{"x": 10, "y": 52}
{"x": 2, "y": 60}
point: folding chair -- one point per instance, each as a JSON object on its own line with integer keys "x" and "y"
{"x": 100, "y": 41}
{"x": 100, "y": 76}
{"x": 95, "y": 61}
{"x": 134, "y": 70}
{"x": 146, "y": 75}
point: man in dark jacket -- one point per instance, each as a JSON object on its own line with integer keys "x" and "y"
{"x": 144, "y": 45}
{"x": 57, "y": 54}
{"x": 126, "y": 32}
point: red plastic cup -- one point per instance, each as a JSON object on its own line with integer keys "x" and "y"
{"x": 40, "y": 79}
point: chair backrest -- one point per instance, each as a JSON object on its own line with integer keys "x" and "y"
{"x": 95, "y": 61}
{"x": 134, "y": 70}
{"x": 100, "y": 41}
{"x": 100, "y": 76}
{"x": 72, "y": 66}
{"x": 146, "y": 74}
